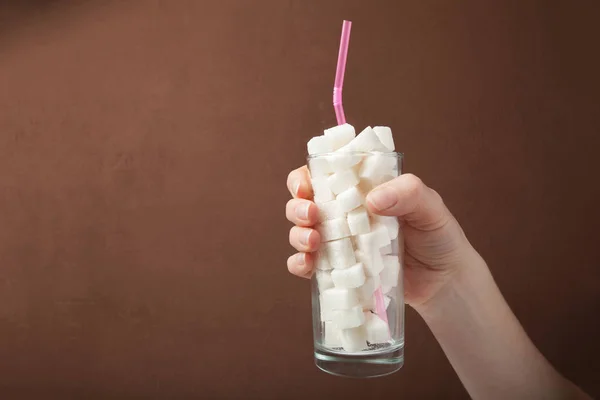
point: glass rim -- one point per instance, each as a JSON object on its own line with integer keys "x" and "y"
{"x": 395, "y": 154}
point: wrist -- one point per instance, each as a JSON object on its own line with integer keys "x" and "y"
{"x": 468, "y": 276}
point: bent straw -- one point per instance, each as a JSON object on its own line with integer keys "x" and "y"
{"x": 341, "y": 119}
{"x": 339, "y": 73}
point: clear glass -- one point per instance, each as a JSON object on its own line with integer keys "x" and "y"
{"x": 356, "y": 334}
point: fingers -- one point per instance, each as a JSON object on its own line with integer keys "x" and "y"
{"x": 304, "y": 239}
{"x": 408, "y": 198}
{"x": 302, "y": 212}
{"x": 298, "y": 183}
{"x": 301, "y": 264}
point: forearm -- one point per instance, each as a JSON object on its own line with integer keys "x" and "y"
{"x": 486, "y": 345}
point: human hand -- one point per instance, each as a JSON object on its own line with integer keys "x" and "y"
{"x": 435, "y": 246}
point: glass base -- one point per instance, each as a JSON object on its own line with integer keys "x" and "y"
{"x": 367, "y": 364}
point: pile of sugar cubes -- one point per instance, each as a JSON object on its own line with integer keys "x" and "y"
{"x": 356, "y": 254}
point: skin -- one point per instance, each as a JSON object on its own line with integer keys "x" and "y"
{"x": 448, "y": 283}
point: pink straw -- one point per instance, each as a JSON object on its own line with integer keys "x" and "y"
{"x": 341, "y": 119}
{"x": 339, "y": 73}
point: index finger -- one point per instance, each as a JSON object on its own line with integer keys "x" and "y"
{"x": 298, "y": 183}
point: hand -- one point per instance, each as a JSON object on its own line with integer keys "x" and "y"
{"x": 435, "y": 246}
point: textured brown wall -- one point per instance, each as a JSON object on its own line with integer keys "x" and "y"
{"x": 144, "y": 147}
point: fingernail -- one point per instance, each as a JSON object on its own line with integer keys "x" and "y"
{"x": 305, "y": 236}
{"x": 302, "y": 211}
{"x": 301, "y": 258}
{"x": 382, "y": 198}
{"x": 295, "y": 188}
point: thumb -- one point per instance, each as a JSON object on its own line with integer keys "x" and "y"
{"x": 407, "y": 198}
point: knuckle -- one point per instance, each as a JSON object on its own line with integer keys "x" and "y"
{"x": 414, "y": 185}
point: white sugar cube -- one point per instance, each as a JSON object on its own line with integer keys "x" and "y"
{"x": 372, "y": 262}
{"x": 333, "y": 229}
{"x": 340, "y": 253}
{"x": 376, "y": 328}
{"x": 330, "y": 210}
{"x": 350, "y": 199}
{"x": 381, "y": 236}
{"x": 378, "y": 165}
{"x": 349, "y": 318}
{"x": 321, "y": 261}
{"x": 358, "y": 221}
{"x": 374, "y": 240}
{"x": 384, "y": 250}
{"x": 325, "y": 311}
{"x": 339, "y": 299}
{"x": 319, "y": 166}
{"x": 366, "y": 141}
{"x": 340, "y": 181}
{"x": 340, "y": 135}
{"x": 384, "y": 134}
{"x": 368, "y": 304}
{"x": 348, "y": 278}
{"x": 340, "y": 161}
{"x": 391, "y": 271}
{"x": 324, "y": 280}
{"x": 319, "y": 145}
{"x": 321, "y": 190}
{"x": 366, "y": 291}
{"x": 354, "y": 339}
{"x": 331, "y": 335}
{"x": 391, "y": 224}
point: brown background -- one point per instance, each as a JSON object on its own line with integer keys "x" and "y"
{"x": 143, "y": 156}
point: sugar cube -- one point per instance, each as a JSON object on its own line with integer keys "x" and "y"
{"x": 372, "y": 262}
{"x": 348, "y": 278}
{"x": 333, "y": 229}
{"x": 384, "y": 250}
{"x": 391, "y": 224}
{"x": 358, "y": 221}
{"x": 349, "y": 318}
{"x": 387, "y": 300}
{"x": 340, "y": 135}
{"x": 368, "y": 304}
{"x": 367, "y": 290}
{"x": 324, "y": 280}
{"x": 319, "y": 145}
{"x": 321, "y": 261}
{"x": 325, "y": 310}
{"x": 321, "y": 190}
{"x": 376, "y": 328}
{"x": 319, "y": 167}
{"x": 354, "y": 339}
{"x": 378, "y": 165}
{"x": 339, "y": 299}
{"x": 341, "y": 161}
{"x": 331, "y": 335}
{"x": 350, "y": 199}
{"x": 330, "y": 210}
{"x": 339, "y": 253}
{"x": 391, "y": 271}
{"x": 384, "y": 134}
{"x": 366, "y": 141}
{"x": 340, "y": 181}
{"x": 374, "y": 240}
